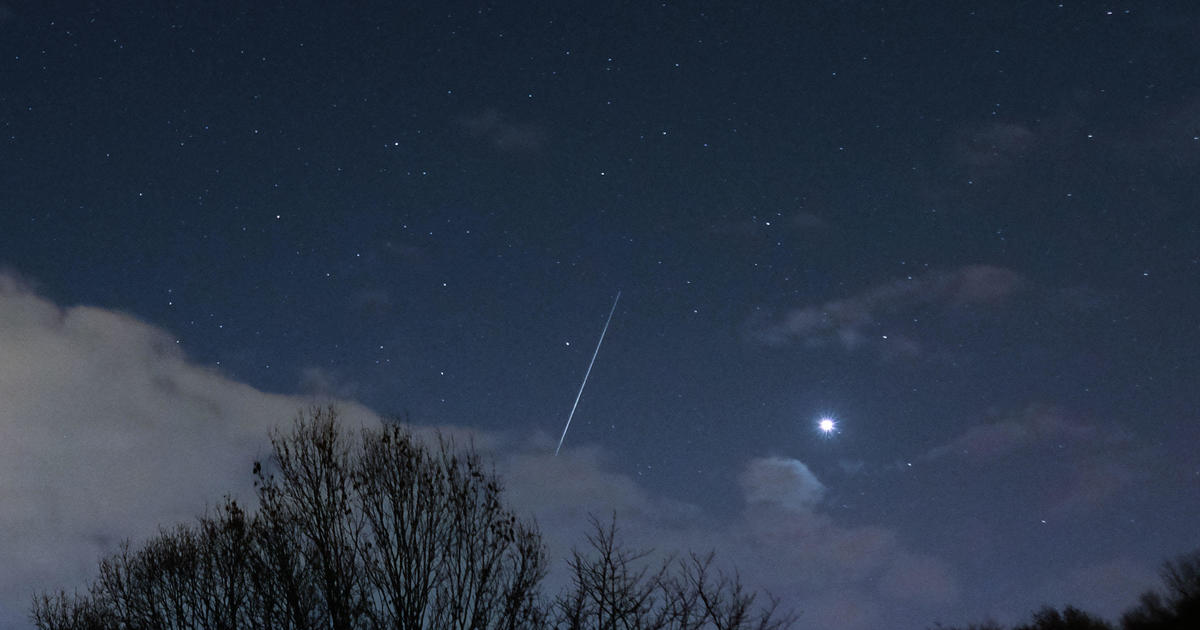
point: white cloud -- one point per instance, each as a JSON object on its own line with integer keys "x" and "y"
{"x": 107, "y": 431}
{"x": 782, "y": 482}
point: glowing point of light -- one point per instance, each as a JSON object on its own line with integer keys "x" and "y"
{"x": 826, "y": 425}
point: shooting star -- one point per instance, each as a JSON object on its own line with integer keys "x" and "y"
{"x": 587, "y": 373}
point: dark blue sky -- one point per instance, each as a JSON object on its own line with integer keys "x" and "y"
{"x": 968, "y": 231}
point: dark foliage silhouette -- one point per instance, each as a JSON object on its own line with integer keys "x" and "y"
{"x": 1048, "y": 618}
{"x": 1178, "y": 607}
{"x": 1070, "y": 618}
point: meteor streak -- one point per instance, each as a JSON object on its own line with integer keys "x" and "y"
{"x": 587, "y": 373}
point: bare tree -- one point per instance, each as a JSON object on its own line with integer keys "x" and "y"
{"x": 441, "y": 550}
{"x": 188, "y": 577}
{"x": 285, "y": 593}
{"x": 724, "y": 602}
{"x": 377, "y": 529}
{"x": 353, "y": 531}
{"x": 614, "y": 588}
{"x": 313, "y": 494}
{"x": 71, "y": 612}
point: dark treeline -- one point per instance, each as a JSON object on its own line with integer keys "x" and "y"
{"x": 1176, "y": 607}
{"x": 377, "y": 530}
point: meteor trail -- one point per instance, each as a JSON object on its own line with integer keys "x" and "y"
{"x": 587, "y": 373}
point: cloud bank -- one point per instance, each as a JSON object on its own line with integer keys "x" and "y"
{"x": 107, "y": 431}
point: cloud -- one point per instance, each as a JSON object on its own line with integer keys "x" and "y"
{"x": 1033, "y": 426}
{"x": 858, "y": 321}
{"x": 842, "y": 576}
{"x": 106, "y": 432}
{"x": 1094, "y": 481}
{"x": 1113, "y": 584}
{"x": 993, "y": 148}
{"x": 918, "y": 578}
{"x": 504, "y": 135}
{"x": 324, "y": 383}
{"x": 563, "y": 493}
{"x": 1092, "y": 463}
{"x": 987, "y": 441}
{"x": 1012, "y": 170}
{"x": 782, "y": 482}
{"x": 784, "y": 520}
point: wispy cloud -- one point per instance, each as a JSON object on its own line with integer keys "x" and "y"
{"x": 503, "y": 134}
{"x": 993, "y": 148}
{"x": 1035, "y": 425}
{"x": 1092, "y": 463}
{"x": 858, "y": 321}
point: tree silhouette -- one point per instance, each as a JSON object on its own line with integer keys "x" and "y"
{"x": 1047, "y": 618}
{"x": 352, "y": 531}
{"x": 1176, "y": 609}
{"x": 612, "y": 586}
{"x": 380, "y": 530}
{"x": 1071, "y": 618}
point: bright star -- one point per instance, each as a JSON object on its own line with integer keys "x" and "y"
{"x": 827, "y": 425}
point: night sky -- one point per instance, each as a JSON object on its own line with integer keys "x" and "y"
{"x": 968, "y": 232}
